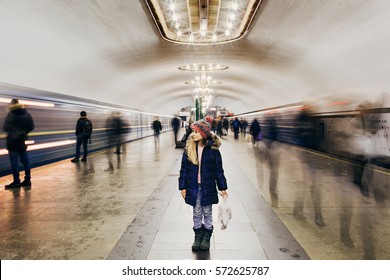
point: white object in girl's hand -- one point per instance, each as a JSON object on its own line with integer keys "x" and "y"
{"x": 224, "y": 213}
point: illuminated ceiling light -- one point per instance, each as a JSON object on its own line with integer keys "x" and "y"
{"x": 214, "y": 38}
{"x": 203, "y": 93}
{"x": 172, "y": 6}
{"x": 203, "y": 22}
{"x": 227, "y": 32}
{"x": 206, "y": 83}
{"x": 179, "y": 33}
{"x": 203, "y": 16}
{"x": 234, "y": 6}
{"x": 203, "y": 66}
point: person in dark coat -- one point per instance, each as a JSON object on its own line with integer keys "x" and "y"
{"x": 225, "y": 125}
{"x": 18, "y": 124}
{"x": 157, "y": 128}
{"x": 175, "y": 123}
{"x": 236, "y": 127}
{"x": 220, "y": 128}
{"x": 243, "y": 126}
{"x": 83, "y": 134}
{"x": 201, "y": 174}
{"x": 255, "y": 130}
{"x": 115, "y": 128}
{"x": 272, "y": 126}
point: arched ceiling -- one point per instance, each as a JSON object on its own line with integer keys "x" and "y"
{"x": 111, "y": 51}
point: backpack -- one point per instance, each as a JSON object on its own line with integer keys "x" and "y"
{"x": 87, "y": 128}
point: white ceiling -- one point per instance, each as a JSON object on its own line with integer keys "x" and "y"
{"x": 110, "y": 50}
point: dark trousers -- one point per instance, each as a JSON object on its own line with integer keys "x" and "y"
{"x": 14, "y": 159}
{"x": 84, "y": 141}
{"x": 236, "y": 131}
{"x": 175, "y": 133}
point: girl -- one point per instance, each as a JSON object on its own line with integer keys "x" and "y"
{"x": 201, "y": 171}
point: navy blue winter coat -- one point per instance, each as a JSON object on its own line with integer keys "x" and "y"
{"x": 212, "y": 175}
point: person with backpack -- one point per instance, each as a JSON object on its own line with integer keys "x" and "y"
{"x": 18, "y": 124}
{"x": 83, "y": 133}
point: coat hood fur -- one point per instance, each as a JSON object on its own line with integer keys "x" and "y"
{"x": 214, "y": 141}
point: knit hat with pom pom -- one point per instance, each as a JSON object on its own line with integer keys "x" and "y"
{"x": 203, "y": 126}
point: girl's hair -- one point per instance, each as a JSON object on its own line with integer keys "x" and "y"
{"x": 191, "y": 150}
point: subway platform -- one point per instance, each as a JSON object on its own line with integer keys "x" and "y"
{"x": 87, "y": 211}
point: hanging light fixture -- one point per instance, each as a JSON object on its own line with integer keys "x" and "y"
{"x": 202, "y": 22}
{"x": 203, "y": 94}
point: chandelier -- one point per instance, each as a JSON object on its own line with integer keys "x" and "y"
{"x": 203, "y": 93}
{"x": 203, "y": 22}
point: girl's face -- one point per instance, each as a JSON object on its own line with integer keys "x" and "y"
{"x": 196, "y": 136}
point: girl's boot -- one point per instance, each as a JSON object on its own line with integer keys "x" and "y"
{"x": 205, "y": 245}
{"x": 198, "y": 238}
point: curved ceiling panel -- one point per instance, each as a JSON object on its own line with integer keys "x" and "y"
{"x": 111, "y": 51}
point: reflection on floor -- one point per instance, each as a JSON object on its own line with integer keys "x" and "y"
{"x": 287, "y": 204}
{"x": 315, "y": 197}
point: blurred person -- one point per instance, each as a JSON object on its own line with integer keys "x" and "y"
{"x": 157, "y": 128}
{"x": 243, "y": 126}
{"x": 272, "y": 157}
{"x": 175, "y": 123}
{"x": 225, "y": 125}
{"x": 305, "y": 129}
{"x": 362, "y": 145}
{"x": 236, "y": 127}
{"x": 254, "y": 130}
{"x": 118, "y": 129}
{"x": 345, "y": 214}
{"x": 183, "y": 140}
{"x": 220, "y": 128}
{"x": 214, "y": 125}
{"x": 18, "y": 124}
{"x": 201, "y": 176}
{"x": 272, "y": 127}
{"x": 114, "y": 128}
{"x": 307, "y": 137}
{"x": 83, "y": 133}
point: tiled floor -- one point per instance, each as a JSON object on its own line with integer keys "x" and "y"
{"x": 136, "y": 212}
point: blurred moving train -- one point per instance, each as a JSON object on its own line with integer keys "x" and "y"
{"x": 341, "y": 127}
{"x": 55, "y": 116}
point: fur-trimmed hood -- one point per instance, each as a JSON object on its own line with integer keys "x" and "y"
{"x": 214, "y": 141}
{"x": 15, "y": 108}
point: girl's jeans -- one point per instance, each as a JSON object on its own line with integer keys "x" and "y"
{"x": 202, "y": 212}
